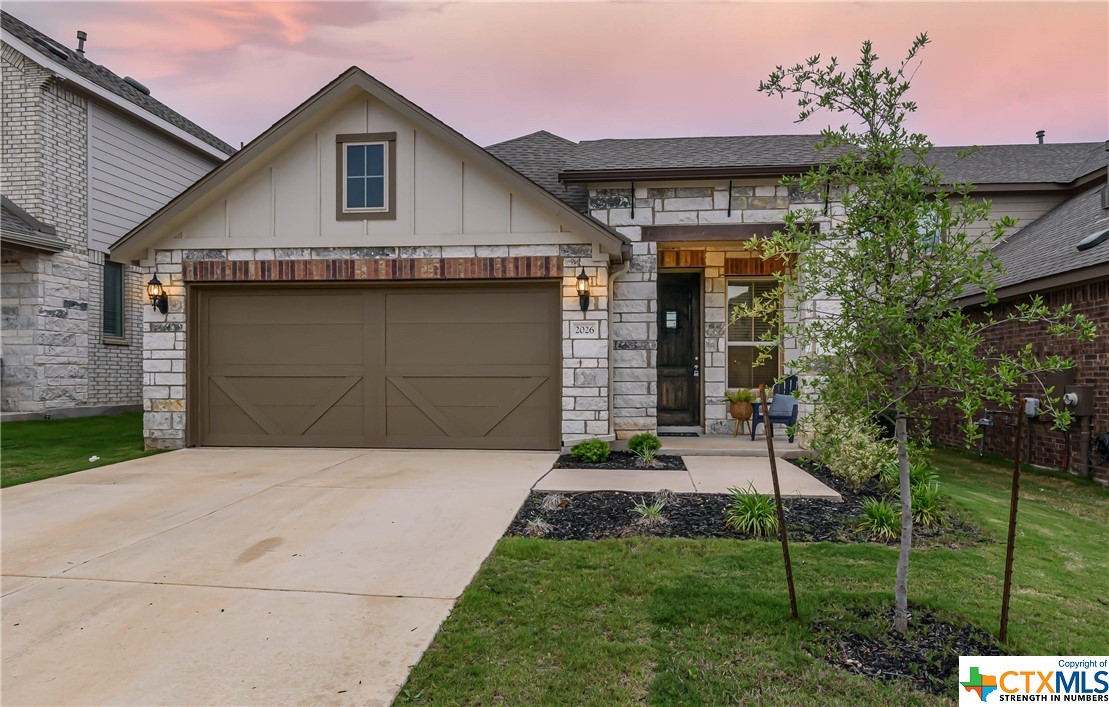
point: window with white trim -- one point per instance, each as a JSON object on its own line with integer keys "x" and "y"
{"x": 749, "y": 337}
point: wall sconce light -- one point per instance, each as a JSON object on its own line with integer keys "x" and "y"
{"x": 158, "y": 298}
{"x": 583, "y": 290}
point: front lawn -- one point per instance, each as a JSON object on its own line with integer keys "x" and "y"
{"x": 39, "y": 449}
{"x": 707, "y": 621}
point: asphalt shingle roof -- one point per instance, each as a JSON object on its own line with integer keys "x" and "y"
{"x": 543, "y": 156}
{"x": 1047, "y": 246}
{"x": 105, "y": 79}
{"x": 1059, "y": 163}
{"x": 19, "y": 227}
{"x": 683, "y": 152}
{"x": 540, "y": 157}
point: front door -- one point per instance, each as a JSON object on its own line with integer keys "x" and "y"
{"x": 679, "y": 348}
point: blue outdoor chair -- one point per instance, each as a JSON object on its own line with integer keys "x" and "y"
{"x": 783, "y": 407}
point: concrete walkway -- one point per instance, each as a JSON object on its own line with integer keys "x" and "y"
{"x": 709, "y": 474}
{"x": 215, "y": 576}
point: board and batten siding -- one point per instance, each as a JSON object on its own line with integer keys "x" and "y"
{"x": 287, "y": 198}
{"x": 132, "y": 173}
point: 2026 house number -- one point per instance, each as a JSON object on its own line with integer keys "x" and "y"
{"x": 583, "y": 330}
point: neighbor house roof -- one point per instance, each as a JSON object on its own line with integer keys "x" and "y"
{"x": 17, "y": 227}
{"x": 134, "y": 244}
{"x": 56, "y": 54}
{"x": 1045, "y": 253}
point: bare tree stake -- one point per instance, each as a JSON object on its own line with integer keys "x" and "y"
{"x": 782, "y": 535}
{"x": 1003, "y": 634}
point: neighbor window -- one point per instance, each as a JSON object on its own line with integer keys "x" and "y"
{"x": 113, "y": 299}
{"x": 748, "y": 337}
{"x": 366, "y": 174}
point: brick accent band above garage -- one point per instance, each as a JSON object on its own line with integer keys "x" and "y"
{"x": 498, "y": 268}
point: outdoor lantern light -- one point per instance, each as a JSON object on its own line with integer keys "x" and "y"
{"x": 583, "y": 290}
{"x": 158, "y": 298}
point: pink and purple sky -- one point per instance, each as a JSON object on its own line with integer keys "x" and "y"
{"x": 995, "y": 72}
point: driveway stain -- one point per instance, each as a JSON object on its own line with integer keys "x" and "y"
{"x": 257, "y": 550}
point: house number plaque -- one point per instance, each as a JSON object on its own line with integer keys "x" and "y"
{"x": 583, "y": 330}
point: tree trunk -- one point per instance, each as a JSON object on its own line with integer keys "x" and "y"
{"x": 901, "y": 591}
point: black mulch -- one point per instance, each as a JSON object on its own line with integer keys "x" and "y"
{"x": 623, "y": 460}
{"x": 927, "y": 657}
{"x": 597, "y": 515}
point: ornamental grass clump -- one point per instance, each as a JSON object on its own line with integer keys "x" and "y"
{"x": 927, "y": 504}
{"x": 751, "y": 512}
{"x": 649, "y": 513}
{"x": 880, "y": 520}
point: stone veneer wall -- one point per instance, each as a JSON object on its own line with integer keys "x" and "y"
{"x": 53, "y": 355}
{"x": 635, "y": 302}
{"x": 585, "y": 359}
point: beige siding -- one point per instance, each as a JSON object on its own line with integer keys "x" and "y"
{"x": 289, "y": 199}
{"x": 1025, "y": 207}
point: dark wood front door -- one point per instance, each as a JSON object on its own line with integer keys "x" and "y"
{"x": 679, "y": 348}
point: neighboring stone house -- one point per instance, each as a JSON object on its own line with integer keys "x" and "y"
{"x": 87, "y": 155}
{"x": 1062, "y": 257}
{"x": 362, "y": 275}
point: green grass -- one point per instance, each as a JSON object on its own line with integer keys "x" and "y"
{"x": 40, "y": 449}
{"x": 647, "y": 620}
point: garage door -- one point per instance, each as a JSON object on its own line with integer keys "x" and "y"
{"x": 412, "y": 367}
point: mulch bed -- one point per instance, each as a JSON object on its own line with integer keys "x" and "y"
{"x": 927, "y": 657}
{"x": 623, "y": 460}
{"x": 599, "y": 515}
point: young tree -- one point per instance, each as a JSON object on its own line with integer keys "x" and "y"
{"x": 878, "y": 283}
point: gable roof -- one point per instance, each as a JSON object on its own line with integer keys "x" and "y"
{"x": 52, "y": 53}
{"x": 133, "y": 245}
{"x": 1044, "y": 253}
{"x": 20, "y": 228}
{"x": 738, "y": 151}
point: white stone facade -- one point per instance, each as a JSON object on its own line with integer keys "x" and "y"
{"x": 635, "y": 307}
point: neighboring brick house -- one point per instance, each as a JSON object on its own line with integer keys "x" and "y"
{"x": 87, "y": 155}
{"x": 362, "y": 275}
{"x": 1063, "y": 257}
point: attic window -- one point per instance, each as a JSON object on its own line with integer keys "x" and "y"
{"x": 366, "y": 171}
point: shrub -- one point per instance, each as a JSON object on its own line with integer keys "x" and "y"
{"x": 880, "y": 519}
{"x": 751, "y": 512}
{"x": 592, "y": 451}
{"x": 849, "y": 444}
{"x": 642, "y": 442}
{"x": 649, "y": 513}
{"x": 928, "y": 505}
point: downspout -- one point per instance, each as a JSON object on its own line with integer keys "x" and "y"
{"x": 626, "y": 257}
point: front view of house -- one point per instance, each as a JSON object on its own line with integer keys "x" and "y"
{"x": 362, "y": 275}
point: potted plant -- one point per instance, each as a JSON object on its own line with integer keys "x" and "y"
{"x": 740, "y": 400}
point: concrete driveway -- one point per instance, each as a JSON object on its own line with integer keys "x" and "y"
{"x": 235, "y": 576}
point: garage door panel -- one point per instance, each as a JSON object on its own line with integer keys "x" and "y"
{"x": 464, "y": 306}
{"x": 419, "y": 344}
{"x": 263, "y": 307}
{"x": 301, "y": 344}
{"x": 438, "y": 367}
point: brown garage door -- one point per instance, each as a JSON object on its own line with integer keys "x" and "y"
{"x": 448, "y": 366}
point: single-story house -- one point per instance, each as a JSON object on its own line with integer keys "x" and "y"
{"x": 363, "y": 275}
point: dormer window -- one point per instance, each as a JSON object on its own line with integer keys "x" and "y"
{"x": 366, "y": 187}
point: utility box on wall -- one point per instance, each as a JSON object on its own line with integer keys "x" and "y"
{"x": 1084, "y": 405}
